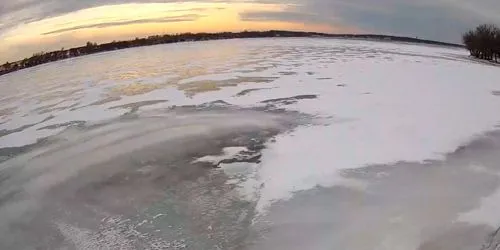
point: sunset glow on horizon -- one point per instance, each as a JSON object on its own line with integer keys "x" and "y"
{"x": 31, "y": 26}
{"x": 126, "y": 21}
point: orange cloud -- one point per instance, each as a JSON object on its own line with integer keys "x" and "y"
{"x": 126, "y": 21}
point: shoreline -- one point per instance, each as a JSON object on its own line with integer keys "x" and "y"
{"x": 93, "y": 48}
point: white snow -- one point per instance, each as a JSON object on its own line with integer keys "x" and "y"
{"x": 227, "y": 153}
{"x": 486, "y": 214}
{"x": 413, "y": 112}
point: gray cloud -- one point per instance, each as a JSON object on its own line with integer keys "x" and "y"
{"x": 287, "y": 16}
{"x": 18, "y": 12}
{"x": 430, "y": 22}
{"x": 443, "y": 20}
{"x": 183, "y": 18}
{"x": 432, "y": 19}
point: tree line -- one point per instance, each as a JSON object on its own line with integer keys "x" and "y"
{"x": 91, "y": 48}
{"x": 483, "y": 42}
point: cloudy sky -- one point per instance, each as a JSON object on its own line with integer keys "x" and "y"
{"x": 29, "y": 26}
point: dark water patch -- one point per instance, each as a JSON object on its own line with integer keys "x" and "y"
{"x": 100, "y": 102}
{"x": 485, "y": 142}
{"x": 106, "y": 100}
{"x": 289, "y": 100}
{"x": 66, "y": 124}
{"x": 47, "y": 107}
{"x": 10, "y": 152}
{"x": 49, "y": 110}
{"x": 287, "y": 73}
{"x": 5, "y": 132}
{"x": 134, "y": 107}
{"x": 193, "y": 88}
{"x": 218, "y": 105}
{"x": 495, "y": 92}
{"x": 341, "y": 85}
{"x": 245, "y": 157}
{"x": 248, "y": 91}
{"x": 324, "y": 78}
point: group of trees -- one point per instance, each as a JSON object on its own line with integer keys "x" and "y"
{"x": 483, "y": 42}
{"x": 91, "y": 48}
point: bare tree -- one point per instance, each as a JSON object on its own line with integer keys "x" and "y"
{"x": 483, "y": 42}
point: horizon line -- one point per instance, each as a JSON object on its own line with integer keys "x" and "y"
{"x": 415, "y": 39}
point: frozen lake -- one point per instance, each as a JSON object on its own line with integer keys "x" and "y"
{"x": 253, "y": 144}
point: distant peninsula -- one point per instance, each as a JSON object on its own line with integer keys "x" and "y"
{"x": 92, "y": 48}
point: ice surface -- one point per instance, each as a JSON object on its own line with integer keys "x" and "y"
{"x": 383, "y": 146}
